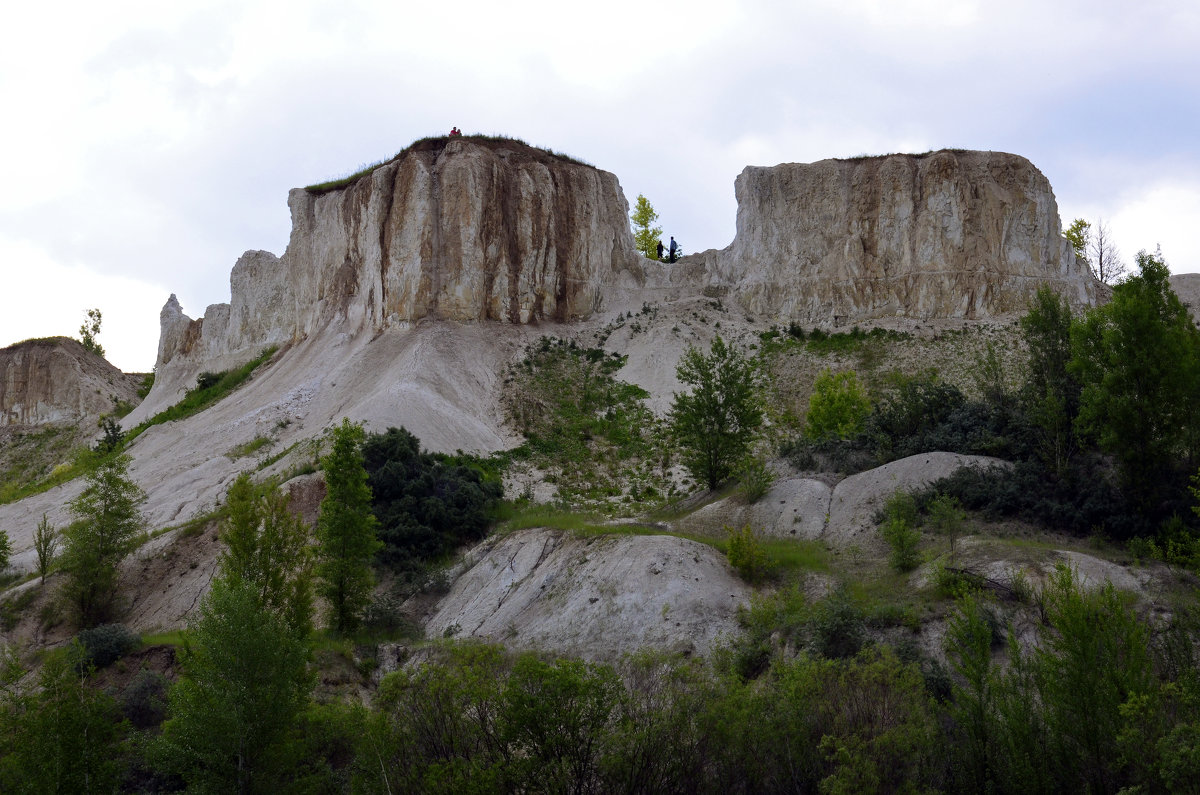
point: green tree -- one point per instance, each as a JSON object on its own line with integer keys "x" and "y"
{"x": 1051, "y": 394}
{"x": 346, "y": 529}
{"x": 244, "y": 682}
{"x": 5, "y": 550}
{"x": 106, "y": 529}
{"x": 946, "y": 517}
{"x": 645, "y": 234}
{"x": 89, "y": 331}
{"x": 63, "y": 735}
{"x": 1138, "y": 360}
{"x": 267, "y": 546}
{"x": 45, "y": 544}
{"x": 838, "y": 407}
{"x": 716, "y": 422}
{"x": 1077, "y": 234}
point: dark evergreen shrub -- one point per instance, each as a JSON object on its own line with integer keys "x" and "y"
{"x": 107, "y": 643}
{"x": 427, "y": 504}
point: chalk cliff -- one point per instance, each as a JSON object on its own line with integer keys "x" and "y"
{"x": 466, "y": 229}
{"x": 57, "y": 380}
{"x": 948, "y": 234}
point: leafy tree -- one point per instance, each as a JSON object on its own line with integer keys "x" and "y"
{"x": 716, "y": 422}
{"x": 45, "y": 544}
{"x": 1051, "y": 392}
{"x": 89, "y": 331}
{"x": 427, "y": 504}
{"x": 346, "y": 530}
{"x": 1077, "y": 235}
{"x": 62, "y": 736}
{"x": 1138, "y": 360}
{"x": 5, "y": 550}
{"x": 946, "y": 517}
{"x": 267, "y": 547}
{"x": 106, "y": 529}
{"x": 645, "y": 235}
{"x": 838, "y": 407}
{"x": 244, "y": 681}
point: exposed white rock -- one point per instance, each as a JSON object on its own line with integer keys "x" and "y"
{"x": 947, "y": 234}
{"x": 793, "y": 508}
{"x": 58, "y": 380}
{"x": 598, "y": 598}
{"x": 857, "y": 498}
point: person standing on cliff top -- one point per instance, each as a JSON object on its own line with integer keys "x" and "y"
{"x": 673, "y": 247}
{"x": 660, "y": 250}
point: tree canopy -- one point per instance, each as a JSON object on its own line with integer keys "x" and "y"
{"x": 717, "y": 420}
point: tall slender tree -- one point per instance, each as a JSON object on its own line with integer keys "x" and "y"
{"x": 645, "y": 234}
{"x": 267, "y": 546}
{"x": 106, "y": 528}
{"x": 346, "y": 530}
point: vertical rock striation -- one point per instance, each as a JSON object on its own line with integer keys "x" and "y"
{"x": 951, "y": 234}
{"x": 464, "y": 229}
{"x": 56, "y": 380}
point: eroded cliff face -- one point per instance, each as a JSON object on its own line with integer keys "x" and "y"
{"x": 57, "y": 380}
{"x": 950, "y": 234}
{"x": 462, "y": 229}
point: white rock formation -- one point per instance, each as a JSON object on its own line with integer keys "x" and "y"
{"x": 57, "y": 380}
{"x": 947, "y": 234}
{"x": 598, "y": 598}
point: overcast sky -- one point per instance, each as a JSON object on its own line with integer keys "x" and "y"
{"x": 146, "y": 145}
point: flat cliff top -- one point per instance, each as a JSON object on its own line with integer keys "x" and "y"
{"x": 514, "y": 149}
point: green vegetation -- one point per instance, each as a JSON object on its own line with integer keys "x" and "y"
{"x": 89, "y": 331}
{"x": 249, "y": 448}
{"x": 900, "y": 532}
{"x": 244, "y": 682}
{"x": 346, "y": 530}
{"x": 592, "y": 434}
{"x": 269, "y": 548}
{"x": 431, "y": 143}
{"x": 825, "y": 343}
{"x": 746, "y": 555}
{"x": 717, "y": 421}
{"x": 36, "y": 460}
{"x": 107, "y": 526}
{"x": 210, "y": 388}
{"x": 838, "y": 408}
{"x": 426, "y": 504}
{"x": 646, "y": 236}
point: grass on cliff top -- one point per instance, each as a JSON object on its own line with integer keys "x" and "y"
{"x": 426, "y": 144}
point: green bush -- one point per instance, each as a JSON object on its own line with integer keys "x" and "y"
{"x": 838, "y": 407}
{"x": 746, "y": 555}
{"x": 144, "y": 701}
{"x": 898, "y": 529}
{"x": 755, "y": 479}
{"x": 107, "y": 643}
{"x": 427, "y": 504}
{"x": 838, "y": 626}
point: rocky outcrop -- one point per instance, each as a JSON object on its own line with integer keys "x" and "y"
{"x": 57, "y": 380}
{"x": 599, "y": 598}
{"x": 949, "y": 234}
{"x": 465, "y": 229}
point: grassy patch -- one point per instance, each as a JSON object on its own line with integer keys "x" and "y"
{"x": 173, "y": 637}
{"x": 13, "y": 608}
{"x": 249, "y": 448}
{"x": 36, "y": 460}
{"x": 196, "y": 400}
